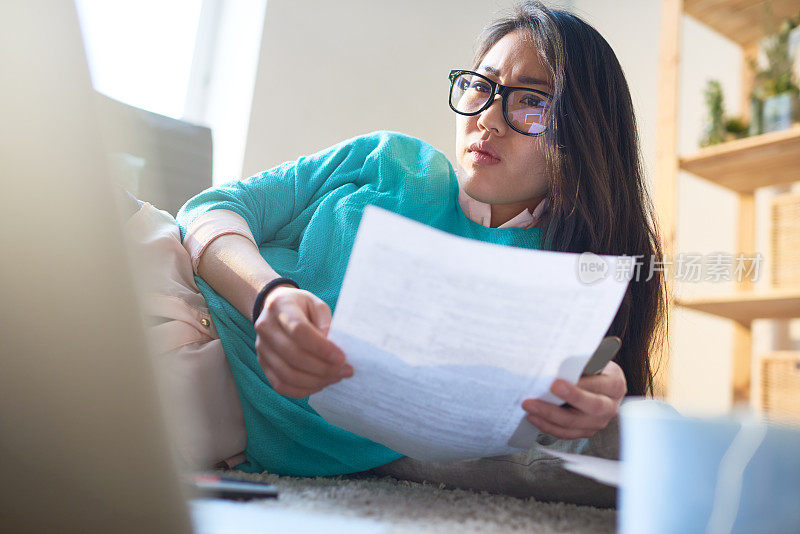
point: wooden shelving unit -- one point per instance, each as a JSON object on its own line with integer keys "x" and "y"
{"x": 744, "y": 306}
{"x": 741, "y": 21}
{"x": 746, "y": 164}
{"x": 742, "y": 166}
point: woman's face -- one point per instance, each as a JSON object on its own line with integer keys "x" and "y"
{"x": 514, "y": 173}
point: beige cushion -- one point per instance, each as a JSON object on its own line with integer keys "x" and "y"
{"x": 202, "y": 405}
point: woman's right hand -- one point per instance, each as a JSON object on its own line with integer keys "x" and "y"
{"x": 293, "y": 350}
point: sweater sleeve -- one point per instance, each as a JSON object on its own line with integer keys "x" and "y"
{"x": 209, "y": 226}
{"x": 270, "y": 200}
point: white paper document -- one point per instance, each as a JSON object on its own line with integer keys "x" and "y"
{"x": 603, "y": 470}
{"x": 448, "y": 335}
{"x": 218, "y": 516}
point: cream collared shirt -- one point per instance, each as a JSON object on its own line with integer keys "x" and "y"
{"x": 481, "y": 212}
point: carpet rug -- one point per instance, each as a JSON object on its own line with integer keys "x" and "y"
{"x": 405, "y": 506}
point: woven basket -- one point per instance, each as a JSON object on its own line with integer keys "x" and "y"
{"x": 785, "y": 265}
{"x": 780, "y": 380}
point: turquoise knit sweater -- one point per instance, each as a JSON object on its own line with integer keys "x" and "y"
{"x": 304, "y": 215}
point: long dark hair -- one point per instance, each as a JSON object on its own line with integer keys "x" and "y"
{"x": 598, "y": 199}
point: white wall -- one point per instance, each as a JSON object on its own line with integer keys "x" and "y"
{"x": 631, "y": 28}
{"x": 332, "y": 70}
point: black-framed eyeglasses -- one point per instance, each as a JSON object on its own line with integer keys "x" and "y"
{"x": 523, "y": 108}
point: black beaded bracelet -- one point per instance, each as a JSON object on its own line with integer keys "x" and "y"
{"x": 262, "y": 295}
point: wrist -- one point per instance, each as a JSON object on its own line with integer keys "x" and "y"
{"x": 261, "y": 298}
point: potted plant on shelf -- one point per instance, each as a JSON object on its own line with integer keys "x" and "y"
{"x": 718, "y": 127}
{"x": 776, "y": 95}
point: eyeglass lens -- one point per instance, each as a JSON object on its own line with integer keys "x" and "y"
{"x": 524, "y": 109}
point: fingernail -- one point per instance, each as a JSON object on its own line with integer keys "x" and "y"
{"x": 346, "y": 371}
{"x": 532, "y": 408}
{"x": 337, "y": 357}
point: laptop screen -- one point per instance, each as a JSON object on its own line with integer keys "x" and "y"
{"x": 82, "y": 440}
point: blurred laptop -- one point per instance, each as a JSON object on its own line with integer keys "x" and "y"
{"x": 83, "y": 444}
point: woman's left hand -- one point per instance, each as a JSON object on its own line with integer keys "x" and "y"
{"x": 594, "y": 401}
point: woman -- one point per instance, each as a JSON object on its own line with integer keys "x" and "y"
{"x": 547, "y": 157}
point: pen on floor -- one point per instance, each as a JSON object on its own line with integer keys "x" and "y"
{"x": 226, "y": 487}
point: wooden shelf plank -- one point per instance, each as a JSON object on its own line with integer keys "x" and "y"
{"x": 741, "y": 21}
{"x": 744, "y": 306}
{"x": 746, "y": 164}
